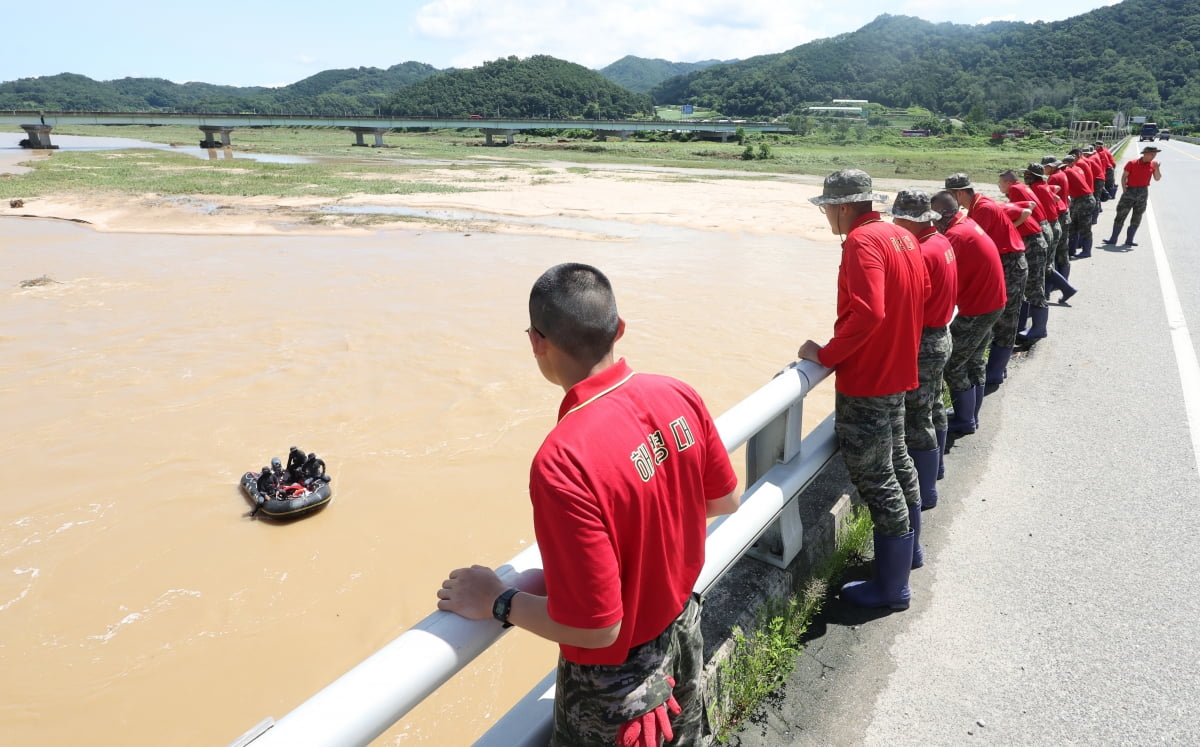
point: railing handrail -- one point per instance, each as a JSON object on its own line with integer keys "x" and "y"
{"x": 367, "y": 700}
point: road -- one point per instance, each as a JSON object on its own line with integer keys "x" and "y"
{"x": 1059, "y": 603}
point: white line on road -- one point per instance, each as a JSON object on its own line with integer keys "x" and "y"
{"x": 1185, "y": 353}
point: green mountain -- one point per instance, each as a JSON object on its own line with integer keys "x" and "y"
{"x": 1136, "y": 55}
{"x": 355, "y": 90}
{"x": 639, "y": 74}
{"x": 539, "y": 86}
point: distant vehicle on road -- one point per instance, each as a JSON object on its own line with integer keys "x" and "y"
{"x": 1149, "y": 132}
{"x": 476, "y": 116}
{"x": 1164, "y": 134}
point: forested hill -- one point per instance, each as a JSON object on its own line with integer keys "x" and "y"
{"x": 353, "y": 90}
{"x": 639, "y": 74}
{"x": 540, "y": 86}
{"x": 1138, "y": 53}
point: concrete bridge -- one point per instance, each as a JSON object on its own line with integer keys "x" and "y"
{"x": 217, "y": 128}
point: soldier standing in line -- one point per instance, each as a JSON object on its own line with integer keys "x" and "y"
{"x": 1056, "y": 180}
{"x": 924, "y": 414}
{"x": 980, "y": 300}
{"x": 882, "y": 288}
{"x": 1083, "y": 204}
{"x": 1110, "y": 165}
{"x": 991, "y": 218}
{"x": 1036, "y": 179}
{"x": 1033, "y": 232}
{"x": 1135, "y": 193}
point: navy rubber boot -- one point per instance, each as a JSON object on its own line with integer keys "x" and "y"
{"x": 914, "y": 521}
{"x": 1085, "y": 248}
{"x": 926, "y": 463}
{"x": 889, "y": 588}
{"x": 1065, "y": 271}
{"x": 1073, "y": 246}
{"x": 1129, "y": 236}
{"x": 979, "y": 395}
{"x": 962, "y": 419}
{"x": 997, "y": 365}
{"x": 1113, "y": 239}
{"x": 941, "y": 439}
{"x": 1022, "y": 319}
{"x": 1040, "y": 315}
{"x": 1059, "y": 282}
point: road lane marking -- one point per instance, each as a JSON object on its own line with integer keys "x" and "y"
{"x": 1181, "y": 339}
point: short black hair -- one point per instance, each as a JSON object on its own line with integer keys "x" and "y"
{"x": 574, "y": 307}
{"x": 944, "y": 203}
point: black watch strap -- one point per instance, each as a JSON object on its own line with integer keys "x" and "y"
{"x": 503, "y": 606}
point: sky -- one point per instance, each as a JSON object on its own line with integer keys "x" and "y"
{"x": 274, "y": 43}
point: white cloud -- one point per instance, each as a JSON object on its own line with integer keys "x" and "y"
{"x": 598, "y": 32}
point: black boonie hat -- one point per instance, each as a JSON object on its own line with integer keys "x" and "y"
{"x": 1035, "y": 170}
{"x": 1051, "y": 161}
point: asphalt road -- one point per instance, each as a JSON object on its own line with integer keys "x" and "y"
{"x": 1059, "y": 603}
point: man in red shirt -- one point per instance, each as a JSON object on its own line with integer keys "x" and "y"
{"x": 621, "y": 490}
{"x": 924, "y": 414}
{"x": 1038, "y": 182}
{"x": 1056, "y": 180}
{"x": 981, "y": 299}
{"x": 1035, "y": 232}
{"x": 999, "y": 227}
{"x": 882, "y": 289}
{"x": 1135, "y": 193}
{"x": 1110, "y": 165}
{"x": 1083, "y": 205}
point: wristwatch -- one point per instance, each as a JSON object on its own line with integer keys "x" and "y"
{"x": 503, "y": 606}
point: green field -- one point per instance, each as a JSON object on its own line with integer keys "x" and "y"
{"x": 339, "y": 166}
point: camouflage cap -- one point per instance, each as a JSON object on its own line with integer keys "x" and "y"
{"x": 1099, "y": 143}
{"x": 959, "y": 181}
{"x": 913, "y": 204}
{"x": 1036, "y": 170}
{"x": 1088, "y": 149}
{"x": 1068, "y": 160}
{"x": 847, "y": 185}
{"x": 1051, "y": 161}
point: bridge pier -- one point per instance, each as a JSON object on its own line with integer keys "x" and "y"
{"x": 210, "y": 133}
{"x": 39, "y": 136}
{"x": 508, "y": 135}
{"x": 378, "y": 132}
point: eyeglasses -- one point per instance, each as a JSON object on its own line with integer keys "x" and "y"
{"x": 536, "y": 331}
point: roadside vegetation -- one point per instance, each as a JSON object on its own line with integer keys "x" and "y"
{"x": 762, "y": 659}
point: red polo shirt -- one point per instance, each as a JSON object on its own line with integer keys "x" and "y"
{"x": 938, "y": 253}
{"x": 1045, "y": 197}
{"x": 1106, "y": 157}
{"x": 618, "y": 490}
{"x": 1020, "y": 192}
{"x": 1139, "y": 173}
{"x": 991, "y": 218}
{"x": 882, "y": 288}
{"x": 1013, "y": 211}
{"x": 980, "y": 274}
{"x": 1063, "y": 198}
{"x": 1079, "y": 181}
{"x": 1096, "y": 165}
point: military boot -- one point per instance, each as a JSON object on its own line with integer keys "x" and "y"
{"x": 962, "y": 419}
{"x": 1129, "y": 236}
{"x": 997, "y": 364}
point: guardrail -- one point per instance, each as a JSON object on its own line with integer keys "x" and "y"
{"x": 366, "y": 701}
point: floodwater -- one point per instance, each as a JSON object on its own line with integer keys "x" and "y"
{"x": 139, "y": 605}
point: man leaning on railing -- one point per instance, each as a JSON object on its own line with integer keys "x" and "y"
{"x": 621, "y": 491}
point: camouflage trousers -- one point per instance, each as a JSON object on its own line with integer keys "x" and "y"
{"x": 870, "y": 434}
{"x": 592, "y": 701}
{"x": 1132, "y": 199}
{"x": 1081, "y": 216}
{"x": 1016, "y": 272}
{"x": 1037, "y": 251}
{"x": 1062, "y": 255}
{"x": 924, "y": 412}
{"x": 969, "y": 339}
{"x": 1110, "y": 181}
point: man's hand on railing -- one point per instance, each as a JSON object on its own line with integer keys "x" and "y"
{"x": 650, "y": 729}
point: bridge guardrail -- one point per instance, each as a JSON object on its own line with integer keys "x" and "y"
{"x": 370, "y": 698}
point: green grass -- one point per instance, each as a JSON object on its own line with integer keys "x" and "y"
{"x": 166, "y": 173}
{"x": 762, "y": 660}
{"x": 339, "y": 168}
